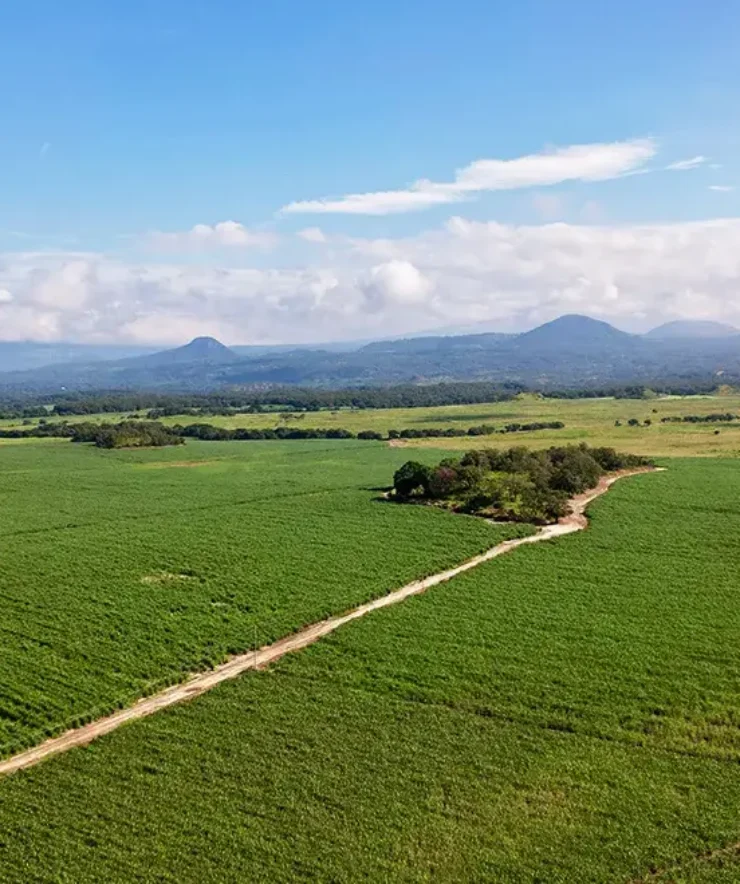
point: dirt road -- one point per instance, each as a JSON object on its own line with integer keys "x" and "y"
{"x": 202, "y": 682}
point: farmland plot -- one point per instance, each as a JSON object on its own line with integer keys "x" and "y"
{"x": 124, "y": 570}
{"x": 568, "y": 714}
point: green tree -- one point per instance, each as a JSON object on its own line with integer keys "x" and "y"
{"x": 411, "y": 477}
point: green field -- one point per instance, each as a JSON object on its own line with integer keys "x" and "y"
{"x": 569, "y": 713}
{"x": 586, "y": 420}
{"x": 124, "y": 570}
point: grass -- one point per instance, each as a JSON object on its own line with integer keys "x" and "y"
{"x": 124, "y": 570}
{"x": 568, "y": 713}
{"x": 586, "y": 420}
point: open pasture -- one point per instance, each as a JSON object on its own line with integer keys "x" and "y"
{"x": 124, "y": 570}
{"x": 565, "y": 714}
{"x": 586, "y": 420}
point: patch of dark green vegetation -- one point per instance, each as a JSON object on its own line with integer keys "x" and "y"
{"x": 134, "y": 434}
{"x": 131, "y": 433}
{"x": 516, "y": 485}
{"x": 715, "y": 418}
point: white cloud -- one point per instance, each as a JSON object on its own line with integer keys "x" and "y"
{"x": 460, "y": 274}
{"x": 684, "y": 165}
{"x": 394, "y": 283}
{"x": 5, "y": 296}
{"x": 312, "y": 234}
{"x": 721, "y": 188}
{"x": 205, "y": 237}
{"x": 581, "y": 162}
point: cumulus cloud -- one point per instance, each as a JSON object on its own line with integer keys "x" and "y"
{"x": 205, "y": 237}
{"x": 462, "y": 273}
{"x": 581, "y": 162}
{"x": 684, "y": 165}
{"x": 394, "y": 283}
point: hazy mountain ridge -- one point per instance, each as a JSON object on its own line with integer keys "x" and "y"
{"x": 682, "y": 329}
{"x": 27, "y": 355}
{"x": 572, "y": 350}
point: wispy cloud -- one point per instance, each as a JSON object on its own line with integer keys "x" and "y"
{"x": 684, "y": 165}
{"x": 202, "y": 237}
{"x": 44, "y": 149}
{"x": 580, "y": 162}
{"x": 721, "y": 188}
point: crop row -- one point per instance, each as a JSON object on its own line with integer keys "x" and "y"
{"x": 124, "y": 570}
{"x": 566, "y": 713}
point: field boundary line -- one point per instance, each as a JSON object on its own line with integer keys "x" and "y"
{"x": 202, "y": 682}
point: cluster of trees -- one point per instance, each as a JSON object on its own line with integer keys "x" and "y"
{"x": 635, "y": 422}
{"x": 126, "y": 434}
{"x": 44, "y": 429}
{"x": 516, "y": 484}
{"x": 716, "y": 418}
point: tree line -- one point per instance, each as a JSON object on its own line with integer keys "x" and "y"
{"x": 89, "y": 431}
{"x": 267, "y": 398}
{"x": 517, "y": 484}
{"x": 715, "y": 418}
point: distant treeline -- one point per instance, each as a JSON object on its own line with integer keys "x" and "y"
{"x": 158, "y": 405}
{"x": 517, "y": 484}
{"x": 152, "y": 433}
{"x": 289, "y": 398}
{"x": 717, "y": 418}
{"x": 125, "y": 434}
{"x": 635, "y": 391}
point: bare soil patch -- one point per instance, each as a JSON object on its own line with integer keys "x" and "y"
{"x": 160, "y": 577}
{"x": 182, "y": 464}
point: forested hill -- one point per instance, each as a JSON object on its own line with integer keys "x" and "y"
{"x": 572, "y": 351}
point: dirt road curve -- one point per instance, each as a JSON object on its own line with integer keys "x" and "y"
{"x": 202, "y": 682}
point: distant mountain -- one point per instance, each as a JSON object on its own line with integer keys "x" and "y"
{"x": 435, "y": 343}
{"x": 572, "y": 351}
{"x": 573, "y": 330}
{"x": 199, "y": 350}
{"x": 25, "y": 355}
{"x": 683, "y": 329}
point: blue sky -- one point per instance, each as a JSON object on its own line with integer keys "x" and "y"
{"x": 125, "y": 118}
